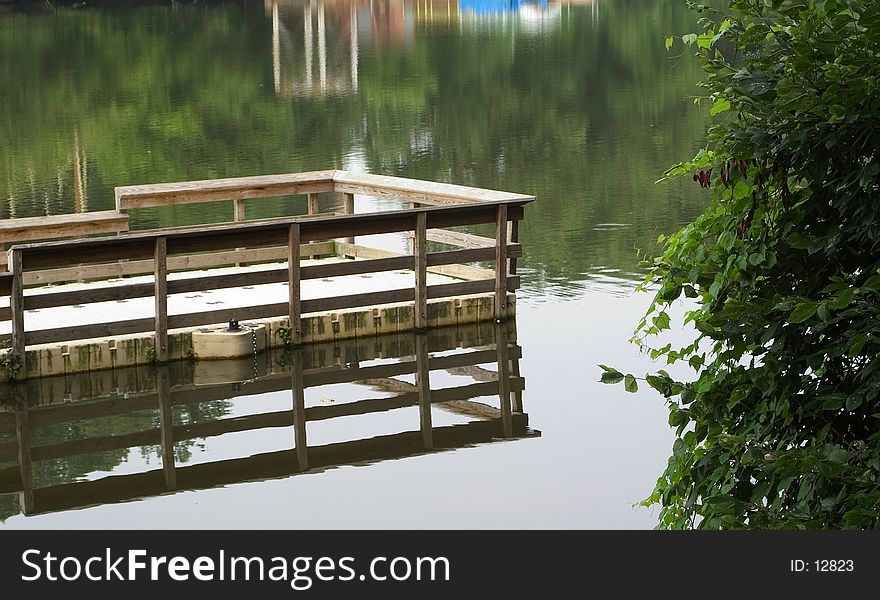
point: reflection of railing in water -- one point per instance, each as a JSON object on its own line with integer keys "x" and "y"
{"x": 322, "y": 364}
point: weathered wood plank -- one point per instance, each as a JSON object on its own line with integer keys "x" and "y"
{"x": 501, "y": 264}
{"x": 443, "y": 263}
{"x": 84, "y": 332}
{"x": 512, "y": 239}
{"x": 294, "y": 287}
{"x": 458, "y": 238}
{"x": 16, "y": 304}
{"x": 420, "y": 249}
{"x": 316, "y": 305}
{"x": 175, "y": 263}
{"x": 239, "y": 211}
{"x": 56, "y": 226}
{"x": 5, "y": 281}
{"x": 269, "y": 232}
{"x": 416, "y": 190}
{"x": 212, "y": 190}
{"x": 161, "y": 296}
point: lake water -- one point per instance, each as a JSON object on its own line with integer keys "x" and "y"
{"x": 577, "y": 103}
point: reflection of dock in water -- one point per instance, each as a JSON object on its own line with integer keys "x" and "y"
{"x": 375, "y": 364}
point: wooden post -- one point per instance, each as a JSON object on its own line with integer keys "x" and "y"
{"x": 299, "y": 410}
{"x": 238, "y": 210}
{"x": 160, "y": 266}
{"x": 420, "y": 253}
{"x": 513, "y": 238}
{"x": 23, "y": 446}
{"x": 294, "y": 284}
{"x": 166, "y": 427}
{"x": 313, "y": 209}
{"x": 501, "y": 264}
{"x": 504, "y": 378}
{"x": 16, "y": 303}
{"x": 238, "y": 214}
{"x": 348, "y": 208}
{"x": 423, "y": 382}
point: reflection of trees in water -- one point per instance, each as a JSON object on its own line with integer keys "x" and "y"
{"x": 585, "y": 115}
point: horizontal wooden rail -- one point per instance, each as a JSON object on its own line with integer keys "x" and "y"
{"x": 262, "y": 186}
{"x": 251, "y": 234}
{"x": 190, "y": 262}
{"x": 253, "y": 278}
{"x": 265, "y": 311}
{"x": 212, "y": 190}
{"x": 52, "y": 227}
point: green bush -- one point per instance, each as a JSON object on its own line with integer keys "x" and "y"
{"x": 780, "y": 427}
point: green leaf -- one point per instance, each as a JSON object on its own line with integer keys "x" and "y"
{"x": 797, "y": 240}
{"x": 858, "y": 342}
{"x": 661, "y": 321}
{"x": 630, "y": 384}
{"x": 669, "y": 41}
{"x": 719, "y": 106}
{"x": 853, "y": 402}
{"x": 610, "y": 375}
{"x": 802, "y": 312}
{"x": 689, "y": 38}
{"x": 844, "y": 298}
{"x": 838, "y": 113}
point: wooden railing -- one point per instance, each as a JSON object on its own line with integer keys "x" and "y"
{"x": 54, "y": 227}
{"x": 436, "y": 207}
{"x": 302, "y": 368}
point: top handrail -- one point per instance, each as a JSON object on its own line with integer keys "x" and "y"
{"x": 262, "y": 186}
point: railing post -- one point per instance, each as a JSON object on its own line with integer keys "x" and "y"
{"x": 238, "y": 214}
{"x": 501, "y": 263}
{"x": 238, "y": 210}
{"x": 294, "y": 284}
{"x": 513, "y": 238}
{"x": 160, "y": 267}
{"x": 423, "y": 382}
{"x": 297, "y": 381}
{"x": 16, "y": 304}
{"x": 166, "y": 427}
{"x": 420, "y": 253}
{"x": 348, "y": 208}
{"x": 313, "y": 208}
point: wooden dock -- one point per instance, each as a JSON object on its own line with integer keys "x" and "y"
{"x": 429, "y": 213}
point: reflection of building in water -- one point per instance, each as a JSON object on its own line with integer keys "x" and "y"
{"x": 315, "y": 43}
{"x": 72, "y": 442}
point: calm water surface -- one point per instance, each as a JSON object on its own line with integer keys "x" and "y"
{"x": 576, "y": 103}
